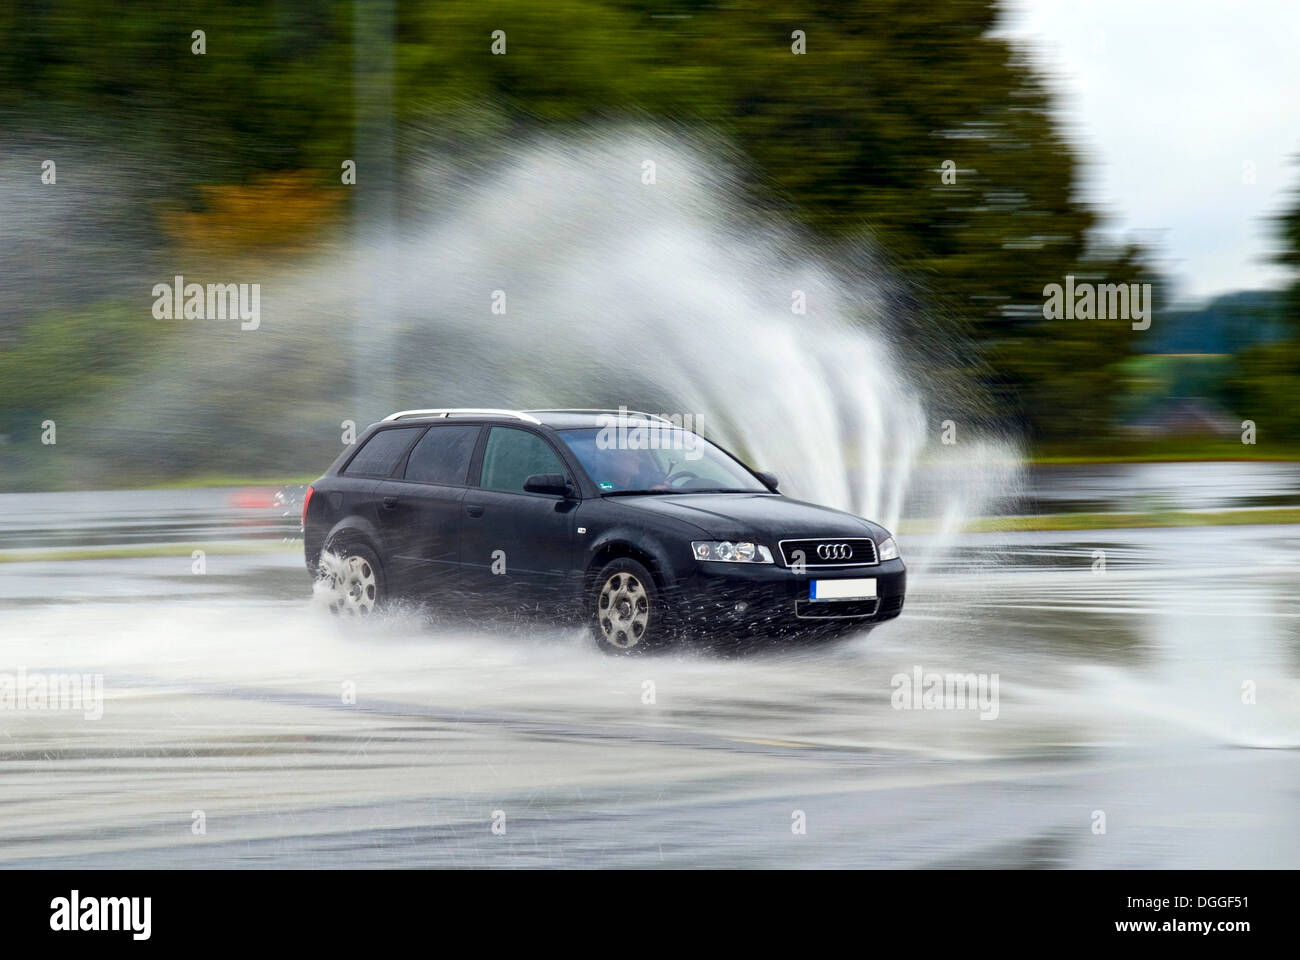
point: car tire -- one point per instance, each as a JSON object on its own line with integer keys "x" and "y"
{"x": 623, "y": 609}
{"x": 351, "y": 579}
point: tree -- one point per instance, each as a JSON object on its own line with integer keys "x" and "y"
{"x": 904, "y": 120}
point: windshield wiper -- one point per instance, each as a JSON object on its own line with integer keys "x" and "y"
{"x": 636, "y": 493}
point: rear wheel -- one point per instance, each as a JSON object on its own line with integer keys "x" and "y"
{"x": 625, "y": 614}
{"x": 352, "y": 579}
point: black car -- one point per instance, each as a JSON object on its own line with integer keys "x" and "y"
{"x": 644, "y": 530}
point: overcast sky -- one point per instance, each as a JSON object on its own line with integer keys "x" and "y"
{"x": 1169, "y": 100}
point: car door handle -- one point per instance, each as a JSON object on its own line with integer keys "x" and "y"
{"x": 390, "y": 503}
{"x": 474, "y": 509}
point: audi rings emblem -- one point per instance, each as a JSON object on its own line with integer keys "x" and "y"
{"x": 834, "y": 551}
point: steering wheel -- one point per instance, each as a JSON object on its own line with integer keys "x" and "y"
{"x": 682, "y": 475}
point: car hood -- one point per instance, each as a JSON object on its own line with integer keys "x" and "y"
{"x": 735, "y": 515}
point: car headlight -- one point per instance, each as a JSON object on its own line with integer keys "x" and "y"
{"x": 725, "y": 550}
{"x": 887, "y": 549}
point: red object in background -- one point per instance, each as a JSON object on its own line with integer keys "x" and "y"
{"x": 255, "y": 498}
{"x": 306, "y": 499}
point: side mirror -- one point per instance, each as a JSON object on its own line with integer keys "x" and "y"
{"x": 552, "y": 484}
{"x": 768, "y": 480}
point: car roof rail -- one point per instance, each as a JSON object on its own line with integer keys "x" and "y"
{"x": 620, "y": 412}
{"x": 461, "y": 412}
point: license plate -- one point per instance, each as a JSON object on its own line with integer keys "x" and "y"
{"x": 860, "y": 589}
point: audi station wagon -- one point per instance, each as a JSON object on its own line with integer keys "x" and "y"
{"x": 572, "y": 514}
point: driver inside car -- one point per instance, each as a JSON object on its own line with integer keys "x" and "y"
{"x": 632, "y": 470}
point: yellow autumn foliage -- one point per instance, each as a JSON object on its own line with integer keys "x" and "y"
{"x": 283, "y": 213}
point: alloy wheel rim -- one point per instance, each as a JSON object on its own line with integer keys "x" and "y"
{"x": 355, "y": 588}
{"x": 623, "y": 611}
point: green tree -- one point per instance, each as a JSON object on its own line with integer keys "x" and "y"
{"x": 851, "y": 137}
{"x": 1266, "y": 382}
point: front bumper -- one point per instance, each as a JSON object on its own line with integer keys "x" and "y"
{"x": 770, "y": 597}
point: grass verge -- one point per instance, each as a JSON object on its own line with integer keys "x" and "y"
{"x": 126, "y": 552}
{"x": 1118, "y": 521}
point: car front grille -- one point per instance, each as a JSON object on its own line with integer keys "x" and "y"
{"x": 829, "y": 552}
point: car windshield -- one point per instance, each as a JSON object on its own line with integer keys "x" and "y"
{"x": 634, "y": 458}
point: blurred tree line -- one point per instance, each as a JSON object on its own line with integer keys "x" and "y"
{"x": 852, "y": 138}
{"x": 1266, "y": 384}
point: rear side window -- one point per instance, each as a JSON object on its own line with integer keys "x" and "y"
{"x": 442, "y": 455}
{"x": 380, "y": 453}
{"x": 512, "y": 456}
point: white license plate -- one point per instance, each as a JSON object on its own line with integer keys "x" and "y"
{"x": 860, "y": 589}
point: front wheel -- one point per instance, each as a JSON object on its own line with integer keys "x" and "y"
{"x": 351, "y": 579}
{"x": 624, "y": 610}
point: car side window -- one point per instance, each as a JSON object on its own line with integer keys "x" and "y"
{"x": 380, "y": 453}
{"x": 512, "y": 456}
{"x": 443, "y": 455}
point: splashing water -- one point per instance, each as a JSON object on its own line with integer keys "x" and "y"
{"x": 667, "y": 296}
